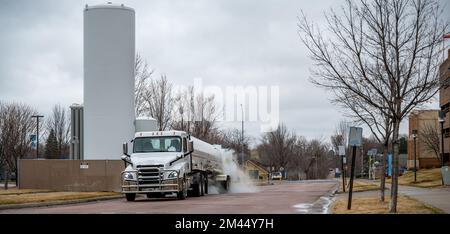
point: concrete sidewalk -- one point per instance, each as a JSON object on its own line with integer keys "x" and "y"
{"x": 436, "y": 197}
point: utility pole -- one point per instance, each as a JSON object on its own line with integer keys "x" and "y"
{"x": 441, "y": 121}
{"x": 414, "y": 135}
{"x": 362, "y": 162}
{"x": 343, "y": 173}
{"x": 242, "y": 140}
{"x": 37, "y": 133}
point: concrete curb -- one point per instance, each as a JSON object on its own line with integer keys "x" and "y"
{"x": 331, "y": 196}
{"x": 323, "y": 204}
{"x": 56, "y": 203}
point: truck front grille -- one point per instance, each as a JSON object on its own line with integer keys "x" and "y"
{"x": 149, "y": 174}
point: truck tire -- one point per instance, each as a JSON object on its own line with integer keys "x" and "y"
{"x": 130, "y": 196}
{"x": 196, "y": 187}
{"x": 196, "y": 190}
{"x": 181, "y": 195}
{"x": 206, "y": 183}
{"x": 224, "y": 186}
{"x": 202, "y": 184}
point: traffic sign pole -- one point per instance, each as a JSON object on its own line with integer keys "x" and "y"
{"x": 352, "y": 173}
{"x": 343, "y": 173}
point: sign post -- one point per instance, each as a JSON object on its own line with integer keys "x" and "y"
{"x": 354, "y": 140}
{"x": 342, "y": 155}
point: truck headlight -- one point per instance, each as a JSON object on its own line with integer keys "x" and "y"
{"x": 172, "y": 175}
{"x": 129, "y": 176}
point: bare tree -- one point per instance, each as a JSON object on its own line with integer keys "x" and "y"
{"x": 320, "y": 160}
{"x": 159, "y": 100}
{"x": 340, "y": 135}
{"x": 297, "y": 165}
{"x": 142, "y": 77}
{"x": 429, "y": 135}
{"x": 378, "y": 123}
{"x": 196, "y": 114}
{"x": 60, "y": 124}
{"x": 16, "y": 124}
{"x": 232, "y": 139}
{"x": 277, "y": 147}
{"x": 384, "y": 53}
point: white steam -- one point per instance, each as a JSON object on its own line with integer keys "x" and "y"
{"x": 240, "y": 181}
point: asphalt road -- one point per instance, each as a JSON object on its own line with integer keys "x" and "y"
{"x": 285, "y": 198}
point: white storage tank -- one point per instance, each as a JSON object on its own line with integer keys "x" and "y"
{"x": 146, "y": 124}
{"x": 109, "y": 53}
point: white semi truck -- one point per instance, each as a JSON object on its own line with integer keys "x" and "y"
{"x": 171, "y": 163}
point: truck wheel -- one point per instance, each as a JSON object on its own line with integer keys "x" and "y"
{"x": 206, "y": 183}
{"x": 181, "y": 195}
{"x": 130, "y": 196}
{"x": 202, "y": 185}
{"x": 196, "y": 187}
{"x": 225, "y": 186}
{"x": 196, "y": 190}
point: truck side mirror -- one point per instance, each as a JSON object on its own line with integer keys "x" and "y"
{"x": 126, "y": 159}
{"x": 125, "y": 149}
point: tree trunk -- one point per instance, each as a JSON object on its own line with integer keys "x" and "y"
{"x": 383, "y": 171}
{"x": 394, "y": 186}
{"x": 6, "y": 177}
{"x": 17, "y": 172}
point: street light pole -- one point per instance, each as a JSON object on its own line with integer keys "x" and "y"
{"x": 441, "y": 121}
{"x": 414, "y": 135}
{"x": 242, "y": 140}
{"x": 37, "y": 133}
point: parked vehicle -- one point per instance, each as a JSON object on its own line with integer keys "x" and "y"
{"x": 171, "y": 162}
{"x": 276, "y": 176}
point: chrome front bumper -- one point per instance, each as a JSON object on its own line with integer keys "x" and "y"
{"x": 161, "y": 186}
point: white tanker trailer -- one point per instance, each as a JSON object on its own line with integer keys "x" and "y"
{"x": 171, "y": 162}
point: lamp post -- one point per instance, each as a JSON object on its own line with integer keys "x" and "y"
{"x": 414, "y": 136}
{"x": 441, "y": 121}
{"x": 242, "y": 145}
{"x": 37, "y": 133}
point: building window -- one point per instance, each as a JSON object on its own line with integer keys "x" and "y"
{"x": 253, "y": 174}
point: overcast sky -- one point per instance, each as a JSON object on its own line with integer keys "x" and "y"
{"x": 223, "y": 42}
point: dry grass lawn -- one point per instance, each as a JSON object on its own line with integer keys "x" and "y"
{"x": 40, "y": 196}
{"x": 371, "y": 205}
{"x": 359, "y": 186}
{"x": 16, "y": 191}
{"x": 426, "y": 178}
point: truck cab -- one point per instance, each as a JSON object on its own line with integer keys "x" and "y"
{"x": 165, "y": 163}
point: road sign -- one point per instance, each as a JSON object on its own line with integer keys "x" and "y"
{"x": 341, "y": 150}
{"x": 84, "y": 165}
{"x": 355, "y": 136}
{"x": 372, "y": 152}
{"x": 33, "y": 140}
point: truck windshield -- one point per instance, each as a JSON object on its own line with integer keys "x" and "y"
{"x": 157, "y": 144}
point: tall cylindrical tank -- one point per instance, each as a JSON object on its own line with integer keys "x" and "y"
{"x": 146, "y": 124}
{"x": 109, "y": 53}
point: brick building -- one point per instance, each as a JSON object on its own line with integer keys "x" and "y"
{"x": 422, "y": 120}
{"x": 444, "y": 102}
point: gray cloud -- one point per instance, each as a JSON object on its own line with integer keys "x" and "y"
{"x": 224, "y": 42}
